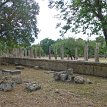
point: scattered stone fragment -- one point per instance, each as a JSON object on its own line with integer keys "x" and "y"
{"x": 63, "y": 77}
{"x": 19, "y": 67}
{"x": 6, "y": 84}
{"x": 79, "y": 80}
{"x": 88, "y": 81}
{"x": 32, "y": 87}
{"x": 56, "y": 76}
{"x": 70, "y": 78}
{"x": 36, "y": 67}
{"x": 17, "y": 80}
{"x": 48, "y": 72}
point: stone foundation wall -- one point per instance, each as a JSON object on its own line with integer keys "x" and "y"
{"x": 88, "y": 68}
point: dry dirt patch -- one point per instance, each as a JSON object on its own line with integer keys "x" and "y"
{"x": 55, "y": 94}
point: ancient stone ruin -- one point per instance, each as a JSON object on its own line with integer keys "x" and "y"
{"x": 69, "y": 76}
{"x": 9, "y": 79}
{"x": 32, "y": 86}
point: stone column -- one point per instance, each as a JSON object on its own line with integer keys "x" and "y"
{"x": 67, "y": 57}
{"x": 25, "y": 53}
{"x": 86, "y": 52}
{"x": 62, "y": 52}
{"x": 20, "y": 52}
{"x": 31, "y": 53}
{"x": 39, "y": 52}
{"x": 55, "y": 53}
{"x": 16, "y": 52}
{"x": 97, "y": 52}
{"x": 76, "y": 53}
{"x": 49, "y": 52}
{"x": 35, "y": 53}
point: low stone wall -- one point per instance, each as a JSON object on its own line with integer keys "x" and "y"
{"x": 88, "y": 68}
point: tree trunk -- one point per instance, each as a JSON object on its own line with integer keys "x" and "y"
{"x": 105, "y": 35}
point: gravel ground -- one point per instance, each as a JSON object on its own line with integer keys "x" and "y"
{"x": 55, "y": 94}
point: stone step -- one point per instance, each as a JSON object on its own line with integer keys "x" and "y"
{"x": 11, "y": 72}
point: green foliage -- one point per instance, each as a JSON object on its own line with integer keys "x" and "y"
{"x": 45, "y": 43}
{"x": 85, "y": 14}
{"x": 18, "y": 22}
{"x": 69, "y": 46}
{"x": 38, "y": 50}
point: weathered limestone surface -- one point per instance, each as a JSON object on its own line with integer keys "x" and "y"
{"x": 19, "y": 67}
{"x": 70, "y": 77}
{"x": 7, "y": 84}
{"x": 31, "y": 86}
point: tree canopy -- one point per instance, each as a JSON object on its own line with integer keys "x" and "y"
{"x": 85, "y": 14}
{"x": 45, "y": 43}
{"x": 18, "y": 21}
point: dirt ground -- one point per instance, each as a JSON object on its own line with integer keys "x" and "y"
{"x": 55, "y": 94}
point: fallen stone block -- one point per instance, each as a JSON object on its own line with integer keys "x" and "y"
{"x": 32, "y": 87}
{"x": 17, "y": 80}
{"x": 19, "y": 67}
{"x": 6, "y": 84}
{"x": 15, "y": 72}
{"x": 6, "y": 72}
{"x": 88, "y": 81}
{"x": 36, "y": 67}
{"x": 56, "y": 76}
{"x": 79, "y": 80}
{"x": 70, "y": 78}
{"x": 63, "y": 77}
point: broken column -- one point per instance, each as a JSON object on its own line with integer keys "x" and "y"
{"x": 55, "y": 53}
{"x": 97, "y": 52}
{"x": 86, "y": 52}
{"x": 49, "y": 52}
{"x": 62, "y": 52}
{"x": 76, "y": 53}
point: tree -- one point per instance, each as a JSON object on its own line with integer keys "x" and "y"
{"x": 18, "y": 21}
{"x": 45, "y": 43}
{"x": 102, "y": 45}
{"x": 88, "y": 14}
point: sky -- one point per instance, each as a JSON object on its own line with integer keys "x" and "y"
{"x": 47, "y": 24}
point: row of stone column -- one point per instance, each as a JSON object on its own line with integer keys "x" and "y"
{"x": 96, "y": 55}
{"x": 76, "y": 53}
{"x": 31, "y": 53}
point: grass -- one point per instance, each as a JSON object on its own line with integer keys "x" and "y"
{"x": 55, "y": 94}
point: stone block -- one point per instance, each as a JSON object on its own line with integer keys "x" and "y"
{"x": 6, "y": 84}
{"x": 56, "y": 76}
{"x": 19, "y": 67}
{"x": 63, "y": 77}
{"x": 17, "y": 80}
{"x": 32, "y": 87}
{"x": 70, "y": 71}
{"x": 6, "y": 72}
{"x": 15, "y": 72}
{"x": 36, "y": 67}
{"x": 79, "y": 80}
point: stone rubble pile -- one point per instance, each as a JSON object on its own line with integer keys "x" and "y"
{"x": 9, "y": 79}
{"x": 7, "y": 84}
{"x": 32, "y": 86}
{"x": 70, "y": 77}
